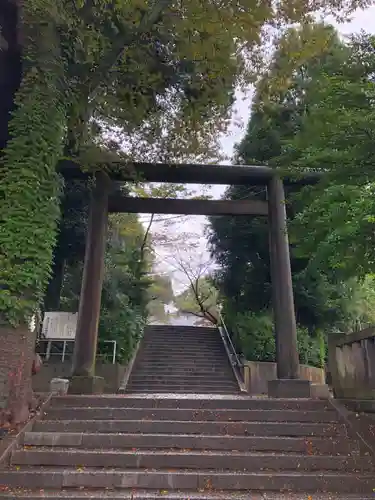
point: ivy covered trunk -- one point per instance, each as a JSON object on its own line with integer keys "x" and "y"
{"x": 29, "y": 201}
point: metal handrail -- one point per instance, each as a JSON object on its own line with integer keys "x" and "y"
{"x": 63, "y": 353}
{"x": 229, "y": 340}
{"x": 231, "y": 353}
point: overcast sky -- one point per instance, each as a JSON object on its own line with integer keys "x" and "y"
{"x": 361, "y": 20}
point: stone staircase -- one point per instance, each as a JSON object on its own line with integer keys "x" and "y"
{"x": 186, "y": 447}
{"x": 182, "y": 359}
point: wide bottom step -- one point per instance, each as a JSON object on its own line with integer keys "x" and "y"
{"x": 166, "y": 460}
{"x": 209, "y": 481}
{"x": 183, "y": 390}
{"x": 166, "y": 495}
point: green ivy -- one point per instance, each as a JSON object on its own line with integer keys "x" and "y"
{"x": 30, "y": 186}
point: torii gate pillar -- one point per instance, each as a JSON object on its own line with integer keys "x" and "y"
{"x": 288, "y": 383}
{"x": 83, "y": 380}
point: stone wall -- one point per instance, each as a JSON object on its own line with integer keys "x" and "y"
{"x": 112, "y": 374}
{"x": 258, "y": 374}
{"x": 351, "y": 361}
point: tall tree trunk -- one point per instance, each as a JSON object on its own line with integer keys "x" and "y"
{"x": 53, "y": 293}
{"x": 29, "y": 200}
{"x": 16, "y": 361}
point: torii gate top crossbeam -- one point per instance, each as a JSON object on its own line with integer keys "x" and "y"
{"x": 190, "y": 173}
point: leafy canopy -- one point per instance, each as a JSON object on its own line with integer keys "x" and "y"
{"x": 284, "y": 101}
{"x": 336, "y": 137}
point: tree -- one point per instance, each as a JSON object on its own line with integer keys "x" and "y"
{"x": 69, "y": 249}
{"x": 284, "y": 100}
{"x": 337, "y": 138}
{"x": 200, "y": 298}
{"x": 160, "y": 294}
{"x": 240, "y": 245}
{"x": 125, "y": 288}
{"x": 192, "y": 269}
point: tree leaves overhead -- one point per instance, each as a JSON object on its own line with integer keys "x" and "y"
{"x": 337, "y": 137}
{"x": 165, "y": 71}
{"x": 287, "y": 126}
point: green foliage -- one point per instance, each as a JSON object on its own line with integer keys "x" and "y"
{"x": 160, "y": 293}
{"x": 336, "y": 137}
{"x": 125, "y": 325}
{"x": 123, "y": 311}
{"x": 164, "y": 73}
{"x": 253, "y": 335}
{"x": 255, "y": 339}
{"x": 288, "y": 98}
{"x": 124, "y": 297}
{"x": 30, "y": 187}
{"x": 199, "y": 299}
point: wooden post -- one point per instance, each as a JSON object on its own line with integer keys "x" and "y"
{"x": 84, "y": 380}
{"x": 283, "y": 301}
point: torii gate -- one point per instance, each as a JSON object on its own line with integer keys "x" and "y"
{"x": 104, "y": 200}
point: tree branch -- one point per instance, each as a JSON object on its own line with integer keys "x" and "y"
{"x": 206, "y": 313}
{"x": 144, "y": 242}
{"x": 123, "y": 40}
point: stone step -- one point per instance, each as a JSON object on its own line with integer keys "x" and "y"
{"x": 137, "y": 494}
{"x": 201, "y": 353}
{"x": 182, "y": 364}
{"x": 313, "y": 482}
{"x": 187, "y": 384}
{"x": 188, "y": 387}
{"x": 190, "y": 370}
{"x": 180, "y": 356}
{"x": 100, "y": 413}
{"x": 166, "y": 459}
{"x": 174, "y": 385}
{"x": 172, "y": 329}
{"x": 151, "y": 365}
{"x": 167, "y": 341}
{"x": 191, "y": 340}
{"x": 197, "y": 427}
{"x": 186, "y": 358}
{"x": 187, "y": 340}
{"x": 166, "y": 389}
{"x": 184, "y": 379}
{"x": 182, "y": 374}
{"x": 185, "y": 376}
{"x": 56, "y": 434}
{"x": 189, "y": 402}
{"x": 178, "y": 369}
{"x": 181, "y": 349}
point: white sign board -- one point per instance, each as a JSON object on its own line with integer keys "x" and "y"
{"x": 60, "y": 325}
